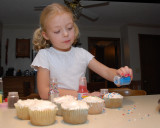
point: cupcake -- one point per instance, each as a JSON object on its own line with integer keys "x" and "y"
{"x": 22, "y": 108}
{"x": 59, "y": 100}
{"x": 96, "y": 104}
{"x": 75, "y": 112}
{"x": 42, "y": 113}
{"x": 113, "y": 100}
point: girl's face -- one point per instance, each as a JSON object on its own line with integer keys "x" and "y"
{"x": 60, "y": 31}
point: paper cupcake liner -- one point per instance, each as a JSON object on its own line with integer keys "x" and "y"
{"x": 113, "y": 103}
{"x": 22, "y": 112}
{"x": 75, "y": 116}
{"x": 43, "y": 117}
{"x": 95, "y": 108}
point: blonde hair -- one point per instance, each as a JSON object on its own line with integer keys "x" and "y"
{"x": 39, "y": 41}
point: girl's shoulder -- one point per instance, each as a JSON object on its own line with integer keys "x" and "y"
{"x": 45, "y": 50}
{"x": 79, "y": 49}
{"x": 82, "y": 52}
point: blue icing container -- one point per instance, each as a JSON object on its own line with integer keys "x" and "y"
{"x": 122, "y": 80}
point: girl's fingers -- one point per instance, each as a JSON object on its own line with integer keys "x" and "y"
{"x": 131, "y": 74}
{"x": 129, "y": 71}
{"x": 121, "y": 71}
{"x": 125, "y": 71}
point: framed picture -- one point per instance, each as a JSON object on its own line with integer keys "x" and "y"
{"x": 22, "y": 48}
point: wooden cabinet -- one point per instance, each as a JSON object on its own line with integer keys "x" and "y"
{"x": 24, "y": 85}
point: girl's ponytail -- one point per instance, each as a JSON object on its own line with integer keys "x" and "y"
{"x": 38, "y": 41}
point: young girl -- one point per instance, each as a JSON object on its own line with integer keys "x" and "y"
{"x": 62, "y": 60}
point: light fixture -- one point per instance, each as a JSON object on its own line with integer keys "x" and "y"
{"x": 75, "y": 7}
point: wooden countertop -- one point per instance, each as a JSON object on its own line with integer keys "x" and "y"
{"x": 137, "y": 112}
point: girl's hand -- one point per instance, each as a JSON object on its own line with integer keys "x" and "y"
{"x": 125, "y": 71}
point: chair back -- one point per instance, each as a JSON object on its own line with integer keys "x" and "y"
{"x": 130, "y": 92}
{"x": 117, "y": 89}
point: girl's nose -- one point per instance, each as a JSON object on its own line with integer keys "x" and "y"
{"x": 65, "y": 32}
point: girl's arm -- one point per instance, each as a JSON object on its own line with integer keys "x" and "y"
{"x": 108, "y": 73}
{"x": 43, "y": 80}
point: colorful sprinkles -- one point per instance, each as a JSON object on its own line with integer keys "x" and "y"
{"x": 53, "y": 88}
{"x": 129, "y": 112}
{"x": 113, "y": 94}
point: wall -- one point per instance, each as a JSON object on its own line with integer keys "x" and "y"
{"x": 124, "y": 46}
{"x": 12, "y": 32}
{"x": 0, "y": 41}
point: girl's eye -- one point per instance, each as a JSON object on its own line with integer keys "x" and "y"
{"x": 70, "y": 28}
{"x": 56, "y": 32}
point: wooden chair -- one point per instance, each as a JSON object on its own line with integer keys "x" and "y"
{"x": 117, "y": 89}
{"x": 130, "y": 92}
{"x": 135, "y": 84}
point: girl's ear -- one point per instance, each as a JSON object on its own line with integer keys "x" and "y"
{"x": 44, "y": 34}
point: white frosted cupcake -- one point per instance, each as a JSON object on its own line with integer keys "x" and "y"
{"x": 75, "y": 112}
{"x": 22, "y": 108}
{"x": 113, "y": 100}
{"x": 59, "y": 100}
{"x": 96, "y": 104}
{"x": 43, "y": 113}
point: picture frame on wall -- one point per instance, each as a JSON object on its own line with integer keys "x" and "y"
{"x": 22, "y": 48}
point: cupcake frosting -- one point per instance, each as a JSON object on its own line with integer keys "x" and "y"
{"x": 113, "y": 95}
{"x": 42, "y": 105}
{"x": 93, "y": 99}
{"x": 26, "y": 103}
{"x": 64, "y": 99}
{"x": 72, "y": 105}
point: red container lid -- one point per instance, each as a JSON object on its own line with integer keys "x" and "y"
{"x": 6, "y": 100}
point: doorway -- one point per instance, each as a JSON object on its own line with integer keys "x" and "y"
{"x": 107, "y": 51}
{"x": 150, "y": 64}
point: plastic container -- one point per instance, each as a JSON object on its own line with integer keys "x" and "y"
{"x": 12, "y": 99}
{"x": 122, "y": 80}
{"x": 103, "y": 92}
{"x": 1, "y": 98}
{"x": 82, "y": 91}
{"x": 1, "y": 90}
{"x": 53, "y": 90}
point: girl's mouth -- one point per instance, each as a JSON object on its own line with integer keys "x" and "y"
{"x": 67, "y": 41}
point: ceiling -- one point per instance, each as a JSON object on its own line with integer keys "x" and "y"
{"x": 116, "y": 13}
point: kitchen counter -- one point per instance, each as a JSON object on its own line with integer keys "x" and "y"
{"x": 136, "y": 112}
